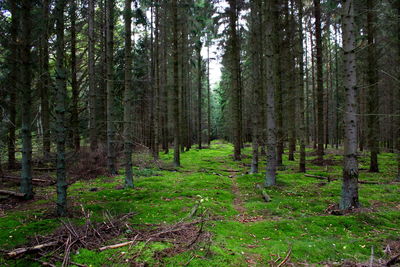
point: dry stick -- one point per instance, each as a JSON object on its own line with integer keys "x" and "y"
{"x": 19, "y": 251}
{"x": 286, "y": 258}
{"x": 12, "y": 193}
{"x": 119, "y": 245}
{"x": 44, "y": 263}
{"x": 59, "y": 258}
{"x": 18, "y": 178}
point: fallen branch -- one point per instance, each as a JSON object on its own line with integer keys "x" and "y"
{"x": 12, "y": 193}
{"x": 45, "y": 169}
{"x": 286, "y": 258}
{"x": 320, "y": 177}
{"x": 368, "y": 182}
{"x": 33, "y": 180}
{"x": 19, "y": 251}
{"x": 119, "y": 245}
{"x": 266, "y": 197}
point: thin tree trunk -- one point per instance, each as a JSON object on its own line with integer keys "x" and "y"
{"x": 175, "y": 88}
{"x": 93, "y": 127}
{"x": 290, "y": 22}
{"x": 74, "y": 81}
{"x": 398, "y": 93}
{"x": 208, "y": 99}
{"x": 26, "y": 109}
{"x": 61, "y": 95}
{"x": 157, "y": 84}
{"x": 199, "y": 94}
{"x": 14, "y": 74}
{"x": 350, "y": 168}
{"x": 320, "y": 85}
{"x": 128, "y": 96}
{"x": 302, "y": 162}
{"x": 110, "y": 89}
{"x": 271, "y": 38}
{"x": 373, "y": 94}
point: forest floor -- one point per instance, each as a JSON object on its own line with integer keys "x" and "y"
{"x": 211, "y": 214}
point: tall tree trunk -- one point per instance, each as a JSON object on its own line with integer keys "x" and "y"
{"x": 128, "y": 96}
{"x": 61, "y": 95}
{"x": 199, "y": 94}
{"x": 110, "y": 89}
{"x": 26, "y": 90}
{"x": 44, "y": 82}
{"x": 92, "y": 79}
{"x": 271, "y": 38}
{"x": 373, "y": 93}
{"x": 208, "y": 99}
{"x": 257, "y": 82}
{"x": 14, "y": 84}
{"x": 235, "y": 78}
{"x": 350, "y": 168}
{"x": 320, "y": 85}
{"x": 74, "y": 81}
{"x": 291, "y": 72}
{"x": 398, "y": 93}
{"x": 175, "y": 88}
{"x": 156, "y": 84}
{"x": 302, "y": 162}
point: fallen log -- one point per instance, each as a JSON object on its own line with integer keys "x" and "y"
{"x": 45, "y": 169}
{"x": 12, "y": 193}
{"x": 368, "y": 182}
{"x": 33, "y": 180}
{"x": 320, "y": 177}
{"x": 19, "y": 251}
{"x": 266, "y": 197}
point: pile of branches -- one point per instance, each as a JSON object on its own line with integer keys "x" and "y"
{"x": 58, "y": 246}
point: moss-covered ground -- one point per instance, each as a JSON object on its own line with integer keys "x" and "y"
{"x": 246, "y": 230}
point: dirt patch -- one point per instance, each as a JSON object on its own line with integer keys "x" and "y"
{"x": 238, "y": 201}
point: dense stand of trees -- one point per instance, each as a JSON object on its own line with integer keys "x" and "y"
{"x": 112, "y": 74}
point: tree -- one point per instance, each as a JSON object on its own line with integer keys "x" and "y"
{"x": 234, "y": 56}
{"x": 302, "y": 162}
{"x": 92, "y": 84}
{"x": 128, "y": 95}
{"x": 110, "y": 87}
{"x": 74, "y": 82}
{"x": 175, "y": 87}
{"x": 26, "y": 94}
{"x": 320, "y": 85}
{"x": 350, "y": 168}
{"x": 199, "y": 89}
{"x": 61, "y": 94}
{"x": 271, "y": 70}
{"x": 373, "y": 93}
{"x": 13, "y": 81}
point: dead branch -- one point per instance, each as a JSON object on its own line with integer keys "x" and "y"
{"x": 286, "y": 258}
{"x": 19, "y": 251}
{"x": 119, "y": 245}
{"x": 12, "y": 193}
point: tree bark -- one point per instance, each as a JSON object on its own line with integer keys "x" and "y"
{"x": 128, "y": 96}
{"x": 302, "y": 130}
{"x": 110, "y": 88}
{"x": 199, "y": 94}
{"x": 74, "y": 82}
{"x": 175, "y": 88}
{"x": 14, "y": 84}
{"x": 61, "y": 95}
{"x": 26, "y": 90}
{"x": 92, "y": 79}
{"x": 271, "y": 70}
{"x": 350, "y": 168}
{"x": 373, "y": 93}
{"x": 320, "y": 88}
{"x": 235, "y": 78}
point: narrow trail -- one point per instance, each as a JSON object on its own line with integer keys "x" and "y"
{"x": 238, "y": 201}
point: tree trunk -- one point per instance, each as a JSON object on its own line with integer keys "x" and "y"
{"x": 373, "y": 93}
{"x": 302, "y": 130}
{"x": 26, "y": 90}
{"x": 14, "y": 83}
{"x": 291, "y": 72}
{"x": 208, "y": 99}
{"x": 61, "y": 95}
{"x": 235, "y": 78}
{"x": 92, "y": 79}
{"x": 199, "y": 95}
{"x": 271, "y": 38}
{"x": 110, "y": 88}
{"x": 320, "y": 85}
{"x": 350, "y": 168}
{"x": 128, "y": 96}
{"x": 74, "y": 81}
{"x": 175, "y": 88}
{"x": 398, "y": 94}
